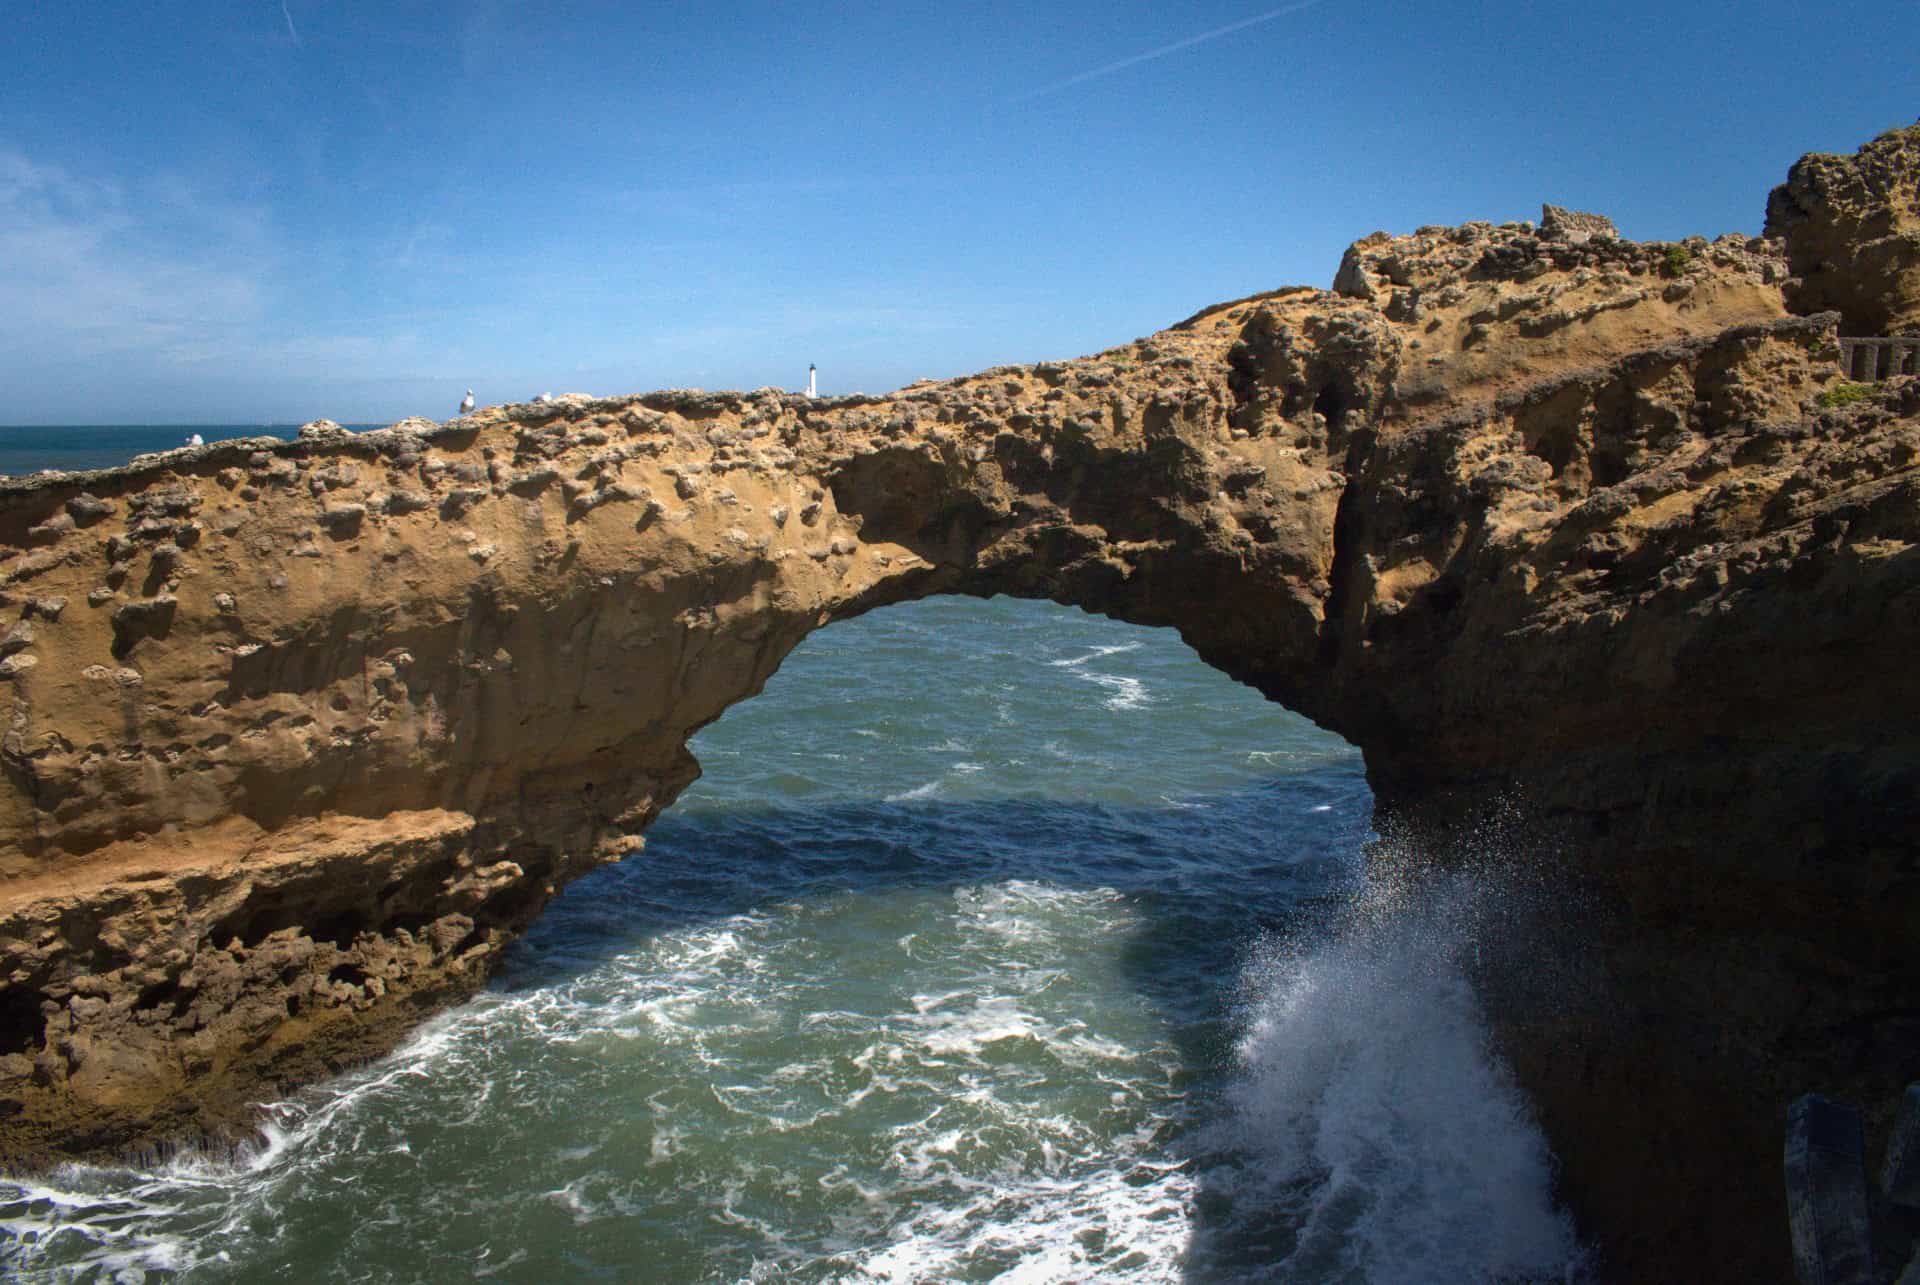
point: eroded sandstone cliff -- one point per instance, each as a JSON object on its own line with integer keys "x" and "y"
{"x": 299, "y": 735}
{"x": 1851, "y": 226}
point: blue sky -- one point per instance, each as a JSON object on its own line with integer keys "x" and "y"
{"x": 268, "y": 211}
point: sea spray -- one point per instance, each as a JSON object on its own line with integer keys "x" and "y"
{"x": 1372, "y": 1133}
{"x": 1032, "y": 1025}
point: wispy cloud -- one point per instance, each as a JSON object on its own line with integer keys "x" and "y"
{"x": 88, "y": 274}
{"x": 113, "y": 284}
{"x": 288, "y": 15}
{"x": 1151, "y": 54}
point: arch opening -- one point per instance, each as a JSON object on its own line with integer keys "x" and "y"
{"x": 957, "y": 960}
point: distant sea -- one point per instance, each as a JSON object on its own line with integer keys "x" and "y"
{"x": 999, "y": 942}
{"x": 28, "y": 448}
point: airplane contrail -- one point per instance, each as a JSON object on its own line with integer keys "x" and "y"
{"x": 1163, "y": 51}
{"x": 287, "y": 14}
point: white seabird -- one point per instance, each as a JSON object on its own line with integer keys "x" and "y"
{"x": 466, "y": 403}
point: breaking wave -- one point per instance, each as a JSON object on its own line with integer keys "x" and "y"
{"x": 1024, "y": 992}
{"x": 1371, "y": 1132}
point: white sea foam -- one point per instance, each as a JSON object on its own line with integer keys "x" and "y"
{"x": 483, "y": 1268}
{"x": 926, "y": 791}
{"x": 1027, "y": 1130}
{"x": 93, "y": 1237}
{"x": 118, "y": 1224}
{"x": 1320, "y": 756}
{"x": 1371, "y": 1116}
{"x": 1097, "y": 653}
{"x": 1107, "y": 1219}
{"x": 1127, "y": 693}
{"x": 1033, "y": 913}
{"x": 967, "y": 1032}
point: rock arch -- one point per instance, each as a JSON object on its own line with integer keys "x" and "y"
{"x": 299, "y": 735}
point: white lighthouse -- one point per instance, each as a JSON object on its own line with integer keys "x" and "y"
{"x": 813, "y": 380}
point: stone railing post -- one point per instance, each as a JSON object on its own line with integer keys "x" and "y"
{"x": 1827, "y": 1210}
{"x": 1860, "y": 357}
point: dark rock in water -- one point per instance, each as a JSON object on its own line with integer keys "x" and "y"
{"x": 1827, "y": 1209}
{"x": 1900, "y": 1175}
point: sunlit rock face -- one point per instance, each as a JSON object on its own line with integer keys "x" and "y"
{"x": 1551, "y": 524}
{"x": 1851, "y": 227}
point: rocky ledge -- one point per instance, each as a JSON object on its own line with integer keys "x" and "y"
{"x": 1557, "y": 527}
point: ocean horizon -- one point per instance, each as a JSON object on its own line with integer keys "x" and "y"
{"x": 26, "y": 449}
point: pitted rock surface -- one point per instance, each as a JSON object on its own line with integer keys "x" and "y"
{"x": 298, "y": 735}
{"x": 1851, "y": 226}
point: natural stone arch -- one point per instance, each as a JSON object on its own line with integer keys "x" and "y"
{"x": 299, "y": 735}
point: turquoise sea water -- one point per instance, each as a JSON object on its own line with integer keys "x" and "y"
{"x": 999, "y": 942}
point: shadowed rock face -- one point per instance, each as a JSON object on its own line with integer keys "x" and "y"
{"x": 300, "y": 735}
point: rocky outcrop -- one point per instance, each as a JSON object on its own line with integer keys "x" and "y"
{"x": 1851, "y": 225}
{"x": 1551, "y": 524}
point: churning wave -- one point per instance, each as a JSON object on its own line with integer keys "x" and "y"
{"x": 1022, "y": 988}
{"x": 1097, "y": 653}
{"x": 1366, "y": 1132}
{"x": 1371, "y": 1132}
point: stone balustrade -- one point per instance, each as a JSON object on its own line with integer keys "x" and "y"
{"x": 1870, "y": 359}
